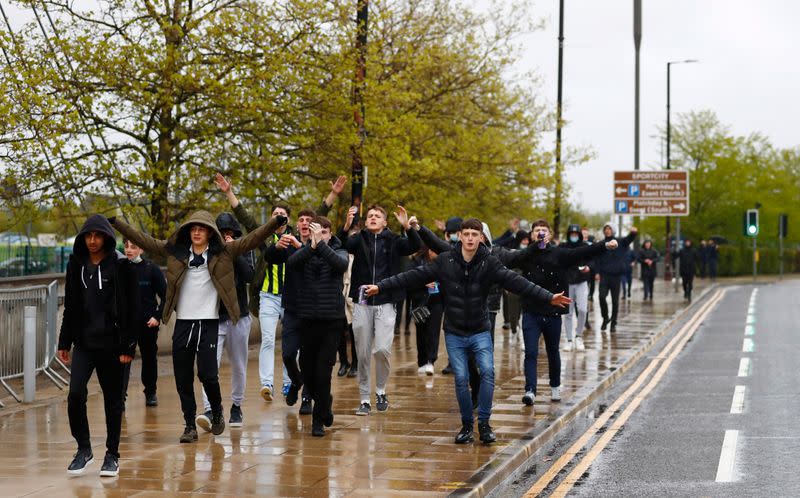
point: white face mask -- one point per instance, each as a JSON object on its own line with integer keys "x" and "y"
{"x": 523, "y": 246}
{"x": 453, "y": 237}
{"x": 137, "y": 259}
{"x": 573, "y": 238}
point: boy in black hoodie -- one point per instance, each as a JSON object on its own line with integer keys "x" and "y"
{"x": 101, "y": 314}
{"x": 152, "y": 285}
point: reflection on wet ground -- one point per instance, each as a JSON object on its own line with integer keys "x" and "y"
{"x": 405, "y": 451}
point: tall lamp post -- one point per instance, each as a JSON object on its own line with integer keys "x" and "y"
{"x": 668, "y": 257}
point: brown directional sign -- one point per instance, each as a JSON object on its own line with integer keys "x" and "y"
{"x": 653, "y": 193}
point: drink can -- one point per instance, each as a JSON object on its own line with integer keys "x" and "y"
{"x": 362, "y": 294}
{"x": 434, "y": 289}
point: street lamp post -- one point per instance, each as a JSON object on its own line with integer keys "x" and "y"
{"x": 668, "y": 256}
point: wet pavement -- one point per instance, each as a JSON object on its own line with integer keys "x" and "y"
{"x": 406, "y": 451}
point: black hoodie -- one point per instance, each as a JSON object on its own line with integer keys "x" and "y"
{"x": 101, "y": 302}
{"x": 243, "y": 267}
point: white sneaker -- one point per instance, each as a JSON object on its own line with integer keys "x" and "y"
{"x": 428, "y": 369}
{"x": 421, "y": 370}
{"x": 555, "y": 393}
{"x": 528, "y": 398}
{"x": 567, "y": 346}
{"x": 579, "y": 344}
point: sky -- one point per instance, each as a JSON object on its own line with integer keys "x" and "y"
{"x": 745, "y": 75}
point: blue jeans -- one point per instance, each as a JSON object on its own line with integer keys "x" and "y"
{"x": 458, "y": 349}
{"x": 533, "y": 326}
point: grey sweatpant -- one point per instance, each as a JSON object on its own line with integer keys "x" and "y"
{"x": 234, "y": 339}
{"x": 373, "y": 330}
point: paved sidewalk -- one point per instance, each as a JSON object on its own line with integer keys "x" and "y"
{"x": 405, "y": 451}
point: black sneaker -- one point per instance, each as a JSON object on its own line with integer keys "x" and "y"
{"x": 150, "y": 400}
{"x": 317, "y": 430}
{"x": 343, "y": 370}
{"x": 486, "y": 433}
{"x": 110, "y": 466}
{"x": 189, "y": 435}
{"x": 613, "y": 327}
{"x": 464, "y": 436}
{"x": 236, "y": 416}
{"x": 605, "y": 324}
{"x": 82, "y": 459}
{"x": 381, "y": 402}
{"x": 328, "y": 421}
{"x": 217, "y": 423}
{"x": 204, "y": 421}
{"x": 353, "y": 370}
{"x": 447, "y": 370}
{"x": 306, "y": 408}
{"x": 291, "y": 397}
{"x": 363, "y": 410}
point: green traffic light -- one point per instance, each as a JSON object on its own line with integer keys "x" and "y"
{"x": 752, "y": 229}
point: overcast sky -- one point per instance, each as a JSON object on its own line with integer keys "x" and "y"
{"x": 748, "y": 75}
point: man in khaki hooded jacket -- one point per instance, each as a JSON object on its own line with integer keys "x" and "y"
{"x": 200, "y": 273}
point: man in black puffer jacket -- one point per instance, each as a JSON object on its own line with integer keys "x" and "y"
{"x": 322, "y": 263}
{"x": 689, "y": 259}
{"x": 546, "y": 265}
{"x": 465, "y": 275}
{"x": 610, "y": 267}
{"x": 101, "y": 320}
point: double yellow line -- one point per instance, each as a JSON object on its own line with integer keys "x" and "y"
{"x": 665, "y": 357}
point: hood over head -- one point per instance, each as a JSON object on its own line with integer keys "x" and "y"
{"x": 613, "y": 228}
{"x": 226, "y": 221}
{"x": 181, "y": 236}
{"x": 95, "y": 223}
{"x": 575, "y": 228}
{"x": 453, "y": 225}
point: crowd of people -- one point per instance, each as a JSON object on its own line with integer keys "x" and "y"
{"x": 328, "y": 287}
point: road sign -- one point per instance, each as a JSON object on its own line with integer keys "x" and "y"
{"x": 651, "y": 193}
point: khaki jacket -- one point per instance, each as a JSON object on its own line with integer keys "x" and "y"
{"x": 221, "y": 256}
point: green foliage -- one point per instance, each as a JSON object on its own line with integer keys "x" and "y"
{"x": 137, "y": 103}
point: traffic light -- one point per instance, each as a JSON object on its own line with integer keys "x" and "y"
{"x": 751, "y": 223}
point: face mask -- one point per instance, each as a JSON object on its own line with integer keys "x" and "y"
{"x": 523, "y": 246}
{"x": 573, "y": 238}
{"x": 453, "y": 237}
{"x": 137, "y": 259}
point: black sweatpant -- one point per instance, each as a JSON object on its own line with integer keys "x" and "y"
{"x": 319, "y": 340}
{"x": 609, "y": 283}
{"x": 688, "y": 284}
{"x": 347, "y": 334}
{"x": 428, "y": 333}
{"x": 109, "y": 374}
{"x": 196, "y": 339}
{"x": 648, "y": 281}
{"x": 148, "y": 347}
{"x": 290, "y": 346}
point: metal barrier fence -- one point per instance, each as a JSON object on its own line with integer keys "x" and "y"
{"x": 12, "y": 318}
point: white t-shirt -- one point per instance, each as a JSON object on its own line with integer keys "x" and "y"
{"x": 198, "y": 298}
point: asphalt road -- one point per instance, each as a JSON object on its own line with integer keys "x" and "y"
{"x": 673, "y": 444}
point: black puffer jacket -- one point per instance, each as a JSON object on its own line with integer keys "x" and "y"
{"x": 548, "y": 268}
{"x": 322, "y": 271}
{"x": 465, "y": 287}
{"x": 369, "y": 269}
{"x": 122, "y": 318}
{"x": 653, "y": 256}
{"x": 689, "y": 258}
{"x": 613, "y": 263}
{"x": 243, "y": 267}
{"x": 574, "y": 273}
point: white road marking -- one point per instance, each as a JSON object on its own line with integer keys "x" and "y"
{"x": 744, "y": 367}
{"x": 748, "y": 346}
{"x": 727, "y": 457}
{"x": 737, "y": 406}
{"x": 749, "y": 330}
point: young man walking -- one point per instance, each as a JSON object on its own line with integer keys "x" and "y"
{"x": 152, "y": 287}
{"x": 578, "y": 277}
{"x": 377, "y": 252}
{"x": 101, "y": 321}
{"x": 648, "y": 257}
{"x": 610, "y": 268}
{"x": 465, "y": 275}
{"x": 200, "y": 274}
{"x": 233, "y": 336}
{"x": 689, "y": 258}
{"x": 321, "y": 263}
{"x": 546, "y": 265}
